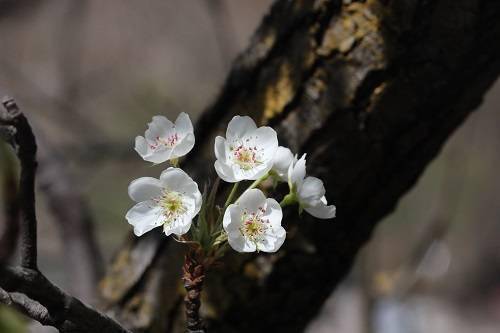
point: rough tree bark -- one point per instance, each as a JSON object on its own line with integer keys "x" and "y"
{"x": 371, "y": 90}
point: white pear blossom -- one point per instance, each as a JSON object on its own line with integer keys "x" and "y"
{"x": 309, "y": 191}
{"x": 247, "y": 152}
{"x": 171, "y": 201}
{"x": 281, "y": 163}
{"x": 253, "y": 223}
{"x": 164, "y": 140}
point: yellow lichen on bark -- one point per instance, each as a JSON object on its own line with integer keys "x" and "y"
{"x": 279, "y": 93}
{"x": 357, "y": 20}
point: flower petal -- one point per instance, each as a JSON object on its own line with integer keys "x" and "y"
{"x": 297, "y": 172}
{"x": 239, "y": 127}
{"x": 273, "y": 212}
{"x": 220, "y": 148}
{"x": 311, "y": 190}
{"x": 141, "y": 146}
{"x": 282, "y": 161}
{"x": 184, "y": 146}
{"x": 158, "y": 156}
{"x": 144, "y": 188}
{"x": 224, "y": 172}
{"x": 239, "y": 243}
{"x": 175, "y": 179}
{"x": 144, "y": 216}
{"x": 160, "y": 126}
{"x": 266, "y": 138}
{"x": 183, "y": 124}
{"x": 321, "y": 210}
{"x": 179, "y": 227}
{"x": 252, "y": 200}
{"x": 273, "y": 240}
{"x": 232, "y": 218}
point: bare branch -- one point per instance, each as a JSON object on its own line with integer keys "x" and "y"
{"x": 25, "y": 288}
{"x": 9, "y": 236}
{"x": 24, "y": 144}
{"x": 26, "y": 306}
{"x": 45, "y": 302}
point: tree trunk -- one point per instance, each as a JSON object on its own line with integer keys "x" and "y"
{"x": 370, "y": 90}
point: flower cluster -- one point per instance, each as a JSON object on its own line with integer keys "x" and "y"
{"x": 248, "y": 221}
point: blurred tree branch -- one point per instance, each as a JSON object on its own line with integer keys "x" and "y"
{"x": 25, "y": 287}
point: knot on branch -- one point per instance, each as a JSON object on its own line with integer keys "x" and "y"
{"x": 193, "y": 277}
{"x": 17, "y": 131}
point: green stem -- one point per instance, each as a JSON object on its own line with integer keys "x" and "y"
{"x": 231, "y": 195}
{"x": 229, "y": 200}
{"x": 174, "y": 162}
{"x": 288, "y": 200}
{"x": 255, "y": 183}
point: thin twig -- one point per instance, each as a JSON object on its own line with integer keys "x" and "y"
{"x": 194, "y": 274}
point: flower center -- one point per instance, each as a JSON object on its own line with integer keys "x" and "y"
{"x": 172, "y": 205}
{"x": 168, "y": 142}
{"x": 254, "y": 226}
{"x": 245, "y": 157}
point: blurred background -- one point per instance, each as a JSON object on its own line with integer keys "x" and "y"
{"x": 91, "y": 74}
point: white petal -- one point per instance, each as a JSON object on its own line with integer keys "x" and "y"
{"x": 266, "y": 138}
{"x": 197, "y": 201}
{"x": 232, "y": 222}
{"x": 252, "y": 174}
{"x": 311, "y": 190}
{"x": 184, "y": 146}
{"x": 239, "y": 243}
{"x": 282, "y": 161}
{"x": 321, "y": 210}
{"x": 144, "y": 188}
{"x": 273, "y": 212}
{"x": 252, "y": 200}
{"x": 220, "y": 148}
{"x": 144, "y": 216}
{"x": 232, "y": 218}
{"x": 274, "y": 240}
{"x": 183, "y": 124}
{"x": 260, "y": 171}
{"x": 160, "y": 126}
{"x": 297, "y": 173}
{"x": 239, "y": 127}
{"x": 176, "y": 179}
{"x": 225, "y": 172}
{"x": 141, "y": 146}
{"x": 158, "y": 156}
{"x": 179, "y": 227}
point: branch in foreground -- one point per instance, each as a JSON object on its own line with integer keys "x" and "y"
{"x": 25, "y": 288}
{"x": 10, "y": 218}
{"x": 48, "y": 304}
{"x": 23, "y": 141}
